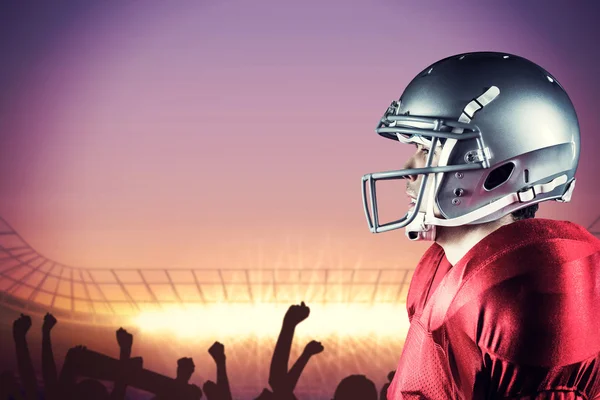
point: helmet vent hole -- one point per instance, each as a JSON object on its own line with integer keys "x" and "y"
{"x": 498, "y": 176}
{"x": 526, "y": 176}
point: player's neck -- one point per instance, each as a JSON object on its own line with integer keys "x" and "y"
{"x": 457, "y": 241}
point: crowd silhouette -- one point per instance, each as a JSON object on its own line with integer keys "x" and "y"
{"x": 83, "y": 370}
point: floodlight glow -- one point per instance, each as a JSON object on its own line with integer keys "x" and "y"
{"x": 265, "y": 320}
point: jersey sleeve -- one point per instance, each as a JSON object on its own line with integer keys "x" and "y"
{"x": 539, "y": 330}
{"x": 528, "y": 324}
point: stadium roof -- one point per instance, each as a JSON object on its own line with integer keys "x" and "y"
{"x": 30, "y": 281}
{"x": 33, "y": 283}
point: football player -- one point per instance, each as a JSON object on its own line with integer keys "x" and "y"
{"x": 502, "y": 305}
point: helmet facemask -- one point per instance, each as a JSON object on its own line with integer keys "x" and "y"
{"x": 427, "y": 132}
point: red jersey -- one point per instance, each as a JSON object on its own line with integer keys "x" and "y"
{"x": 517, "y": 317}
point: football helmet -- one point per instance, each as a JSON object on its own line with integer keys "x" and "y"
{"x": 508, "y": 137}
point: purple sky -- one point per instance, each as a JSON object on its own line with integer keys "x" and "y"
{"x": 204, "y": 133}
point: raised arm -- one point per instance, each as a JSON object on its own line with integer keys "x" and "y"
{"x": 26, "y": 371}
{"x": 48, "y": 365}
{"x": 125, "y": 341}
{"x": 217, "y": 351}
{"x": 310, "y": 350}
{"x": 281, "y": 355}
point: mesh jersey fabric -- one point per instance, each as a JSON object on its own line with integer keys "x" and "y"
{"x": 517, "y": 317}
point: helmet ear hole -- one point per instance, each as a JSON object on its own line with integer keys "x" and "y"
{"x": 498, "y": 176}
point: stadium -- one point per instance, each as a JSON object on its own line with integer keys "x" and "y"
{"x": 157, "y": 160}
{"x": 187, "y": 310}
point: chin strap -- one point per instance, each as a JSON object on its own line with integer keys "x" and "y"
{"x": 418, "y": 230}
{"x": 423, "y": 228}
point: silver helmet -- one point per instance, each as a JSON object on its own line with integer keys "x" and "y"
{"x": 508, "y": 138}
